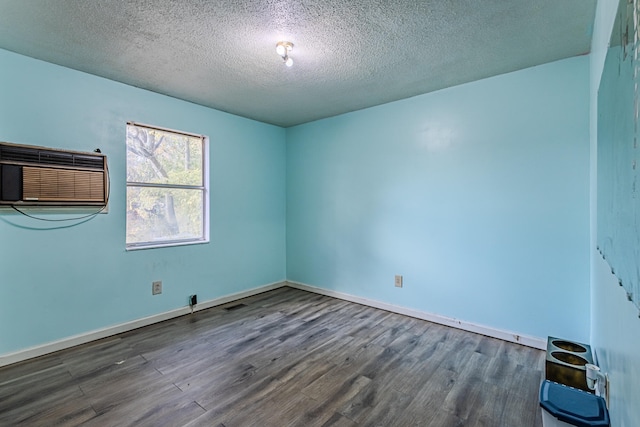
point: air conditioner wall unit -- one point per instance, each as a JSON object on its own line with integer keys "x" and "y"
{"x": 40, "y": 176}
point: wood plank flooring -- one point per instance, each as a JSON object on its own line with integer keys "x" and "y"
{"x": 284, "y": 358}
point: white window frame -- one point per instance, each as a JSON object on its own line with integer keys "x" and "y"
{"x": 204, "y": 188}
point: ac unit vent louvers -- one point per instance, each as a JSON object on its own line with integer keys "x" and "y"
{"x": 46, "y": 157}
{"x": 19, "y": 154}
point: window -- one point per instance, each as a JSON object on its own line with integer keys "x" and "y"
{"x": 167, "y": 180}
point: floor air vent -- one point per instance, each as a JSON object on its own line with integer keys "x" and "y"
{"x": 235, "y": 307}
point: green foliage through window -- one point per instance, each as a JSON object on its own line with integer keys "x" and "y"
{"x": 166, "y": 187}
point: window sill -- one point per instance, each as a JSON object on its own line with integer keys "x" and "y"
{"x": 166, "y": 245}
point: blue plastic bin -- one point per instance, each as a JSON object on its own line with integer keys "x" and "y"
{"x": 572, "y": 407}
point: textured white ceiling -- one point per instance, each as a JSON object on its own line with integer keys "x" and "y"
{"x": 348, "y": 55}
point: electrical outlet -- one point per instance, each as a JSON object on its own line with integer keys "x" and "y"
{"x": 193, "y": 300}
{"x": 156, "y": 287}
{"x": 398, "y": 281}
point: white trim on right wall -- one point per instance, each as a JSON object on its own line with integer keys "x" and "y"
{"x": 513, "y": 337}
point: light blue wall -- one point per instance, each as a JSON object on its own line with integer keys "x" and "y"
{"x": 615, "y": 327}
{"x": 55, "y": 283}
{"x": 477, "y": 194}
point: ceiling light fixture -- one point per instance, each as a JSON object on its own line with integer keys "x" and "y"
{"x": 283, "y": 49}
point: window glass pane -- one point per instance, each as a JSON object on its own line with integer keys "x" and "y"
{"x": 157, "y": 215}
{"x": 156, "y": 156}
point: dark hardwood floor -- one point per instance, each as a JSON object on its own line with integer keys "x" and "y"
{"x": 284, "y": 358}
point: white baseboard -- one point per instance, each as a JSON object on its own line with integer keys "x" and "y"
{"x": 40, "y": 350}
{"x": 534, "y": 342}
